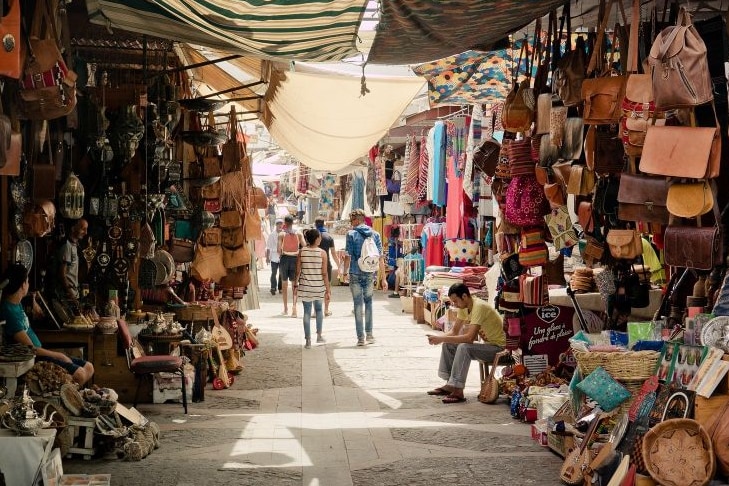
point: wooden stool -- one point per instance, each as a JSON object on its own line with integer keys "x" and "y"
{"x": 483, "y": 366}
{"x": 82, "y": 436}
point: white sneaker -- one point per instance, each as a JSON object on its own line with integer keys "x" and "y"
{"x": 370, "y": 338}
{"x": 308, "y": 344}
{"x": 361, "y": 342}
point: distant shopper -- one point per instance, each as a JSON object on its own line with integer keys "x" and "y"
{"x": 273, "y": 257}
{"x": 459, "y": 348}
{"x": 68, "y": 262}
{"x": 361, "y": 283}
{"x": 301, "y": 209}
{"x": 327, "y": 244}
{"x": 271, "y": 212}
{"x": 289, "y": 243}
{"x": 312, "y": 283}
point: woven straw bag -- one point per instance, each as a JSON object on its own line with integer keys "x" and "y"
{"x": 660, "y": 444}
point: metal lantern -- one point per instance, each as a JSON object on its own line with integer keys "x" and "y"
{"x": 72, "y": 198}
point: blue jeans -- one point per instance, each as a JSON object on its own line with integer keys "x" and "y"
{"x": 275, "y": 277}
{"x": 307, "y": 317}
{"x": 361, "y": 285}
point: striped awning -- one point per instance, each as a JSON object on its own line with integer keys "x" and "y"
{"x": 416, "y": 31}
{"x": 305, "y": 30}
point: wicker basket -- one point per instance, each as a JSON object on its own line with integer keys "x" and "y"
{"x": 691, "y": 441}
{"x": 629, "y": 365}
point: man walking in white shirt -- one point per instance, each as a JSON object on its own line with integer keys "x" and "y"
{"x": 273, "y": 257}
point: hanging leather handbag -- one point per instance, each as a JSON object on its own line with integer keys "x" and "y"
{"x": 258, "y": 198}
{"x": 234, "y": 150}
{"x": 238, "y": 277}
{"x": 690, "y": 152}
{"x": 211, "y": 167}
{"x": 585, "y": 216}
{"x": 236, "y": 257}
{"x": 603, "y": 99}
{"x": 233, "y": 237}
{"x": 182, "y": 251}
{"x": 570, "y": 73}
{"x": 10, "y": 35}
{"x": 692, "y": 247}
{"x": 486, "y": 156}
{"x": 604, "y": 150}
{"x": 689, "y": 199}
{"x": 679, "y": 67}
{"x": 517, "y": 115}
{"x": 231, "y": 219}
{"x": 47, "y": 85}
{"x": 573, "y": 138}
{"x": 211, "y": 191}
{"x": 624, "y": 244}
{"x": 253, "y": 225}
{"x": 208, "y": 263}
{"x": 638, "y": 108}
{"x": 643, "y": 198}
{"x": 210, "y": 237}
{"x": 581, "y": 181}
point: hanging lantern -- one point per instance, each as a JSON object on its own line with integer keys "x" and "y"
{"x": 71, "y": 198}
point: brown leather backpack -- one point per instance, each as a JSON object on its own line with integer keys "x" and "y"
{"x": 679, "y": 68}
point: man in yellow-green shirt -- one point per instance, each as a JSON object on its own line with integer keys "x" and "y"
{"x": 459, "y": 346}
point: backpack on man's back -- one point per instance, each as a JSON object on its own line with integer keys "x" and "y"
{"x": 369, "y": 259}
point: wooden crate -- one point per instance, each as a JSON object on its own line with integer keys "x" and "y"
{"x": 418, "y": 309}
{"x": 706, "y": 410}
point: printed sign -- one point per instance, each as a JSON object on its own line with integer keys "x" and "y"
{"x": 547, "y": 331}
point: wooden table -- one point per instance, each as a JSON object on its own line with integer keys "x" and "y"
{"x": 69, "y": 338}
{"x": 11, "y": 371}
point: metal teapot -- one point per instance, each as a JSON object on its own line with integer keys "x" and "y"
{"x": 23, "y": 419}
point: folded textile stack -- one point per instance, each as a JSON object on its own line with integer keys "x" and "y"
{"x": 582, "y": 281}
{"x": 437, "y": 280}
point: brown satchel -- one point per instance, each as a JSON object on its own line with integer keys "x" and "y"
{"x": 238, "y": 277}
{"x": 490, "y": 386}
{"x": 253, "y": 225}
{"x": 233, "y": 237}
{"x": 690, "y": 152}
{"x": 604, "y": 150}
{"x": 234, "y": 150}
{"x": 570, "y": 73}
{"x": 518, "y": 112}
{"x": 231, "y": 219}
{"x": 182, "y": 251}
{"x": 236, "y": 257}
{"x": 581, "y": 181}
{"x": 624, "y": 244}
{"x": 486, "y": 156}
{"x": 211, "y": 191}
{"x": 643, "y": 198}
{"x": 48, "y": 87}
{"x": 679, "y": 68}
{"x": 692, "y": 247}
{"x": 208, "y": 263}
{"x": 603, "y": 99}
{"x": 39, "y": 219}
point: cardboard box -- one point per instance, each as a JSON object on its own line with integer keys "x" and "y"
{"x": 706, "y": 410}
{"x": 561, "y": 444}
{"x": 539, "y": 432}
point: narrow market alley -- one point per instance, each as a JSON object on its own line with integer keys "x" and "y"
{"x": 336, "y": 414}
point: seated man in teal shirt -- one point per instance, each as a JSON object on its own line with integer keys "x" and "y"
{"x": 18, "y": 330}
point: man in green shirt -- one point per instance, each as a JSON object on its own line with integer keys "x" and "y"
{"x": 17, "y": 327}
{"x": 459, "y": 346}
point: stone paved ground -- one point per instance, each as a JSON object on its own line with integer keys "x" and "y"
{"x": 336, "y": 415}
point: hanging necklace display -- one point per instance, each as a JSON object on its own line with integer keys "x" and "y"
{"x": 103, "y": 258}
{"x": 115, "y": 231}
{"x": 89, "y": 253}
{"x": 111, "y": 205}
{"x": 121, "y": 264}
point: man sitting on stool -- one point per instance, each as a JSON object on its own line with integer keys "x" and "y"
{"x": 18, "y": 330}
{"x": 459, "y": 348}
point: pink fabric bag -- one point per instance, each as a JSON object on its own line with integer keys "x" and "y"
{"x": 526, "y": 203}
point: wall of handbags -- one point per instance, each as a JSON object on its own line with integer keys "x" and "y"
{"x": 165, "y": 187}
{"x": 613, "y": 148}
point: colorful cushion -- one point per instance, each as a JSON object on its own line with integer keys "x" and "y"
{"x": 603, "y": 388}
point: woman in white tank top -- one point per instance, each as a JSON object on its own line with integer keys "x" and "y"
{"x": 312, "y": 283}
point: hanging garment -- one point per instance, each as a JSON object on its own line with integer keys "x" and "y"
{"x": 485, "y": 198}
{"x": 438, "y": 164}
{"x": 423, "y": 165}
{"x": 432, "y": 156}
{"x": 473, "y": 141}
{"x": 380, "y": 176}
{"x": 456, "y": 150}
{"x": 462, "y": 252}
{"x": 328, "y": 187}
{"x": 358, "y": 191}
{"x": 415, "y": 263}
{"x": 432, "y": 241}
{"x": 409, "y": 187}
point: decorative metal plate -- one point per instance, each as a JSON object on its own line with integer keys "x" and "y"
{"x": 712, "y": 333}
{"x": 24, "y": 253}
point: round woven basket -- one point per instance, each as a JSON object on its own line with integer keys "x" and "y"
{"x": 629, "y": 365}
{"x": 683, "y": 439}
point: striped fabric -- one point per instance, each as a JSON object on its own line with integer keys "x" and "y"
{"x": 410, "y": 192}
{"x": 423, "y": 172}
{"x": 305, "y": 30}
{"x": 311, "y": 281}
